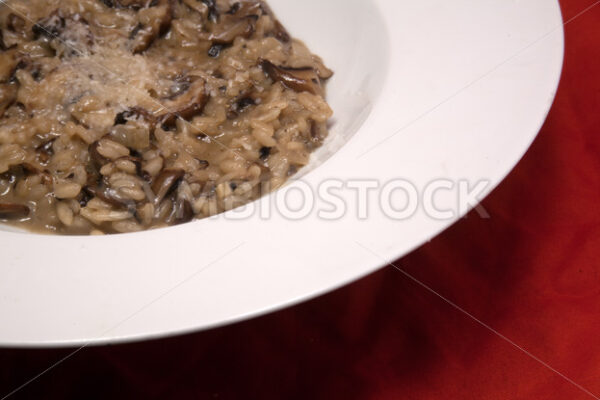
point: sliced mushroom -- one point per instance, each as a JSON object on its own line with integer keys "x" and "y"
{"x": 155, "y": 20}
{"x": 11, "y": 211}
{"x": 94, "y": 164}
{"x": 183, "y": 212}
{"x": 166, "y": 182}
{"x": 185, "y": 106}
{"x": 226, "y": 32}
{"x": 298, "y": 79}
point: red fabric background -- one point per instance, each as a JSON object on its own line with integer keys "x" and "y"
{"x": 531, "y": 272}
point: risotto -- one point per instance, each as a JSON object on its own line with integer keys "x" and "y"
{"x": 124, "y": 115}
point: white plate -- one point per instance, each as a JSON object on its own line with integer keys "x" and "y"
{"x": 464, "y": 84}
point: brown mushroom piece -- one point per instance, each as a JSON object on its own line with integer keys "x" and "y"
{"x": 185, "y": 106}
{"x": 226, "y": 32}
{"x": 154, "y": 21}
{"x": 183, "y": 212}
{"x": 298, "y": 79}
{"x": 11, "y": 211}
{"x": 166, "y": 182}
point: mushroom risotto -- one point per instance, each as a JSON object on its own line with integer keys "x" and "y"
{"x": 124, "y": 115}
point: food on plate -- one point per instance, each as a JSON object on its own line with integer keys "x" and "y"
{"x": 124, "y": 115}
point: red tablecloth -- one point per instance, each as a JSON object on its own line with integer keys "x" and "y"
{"x": 531, "y": 272}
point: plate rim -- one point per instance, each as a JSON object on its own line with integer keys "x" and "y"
{"x": 391, "y": 255}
